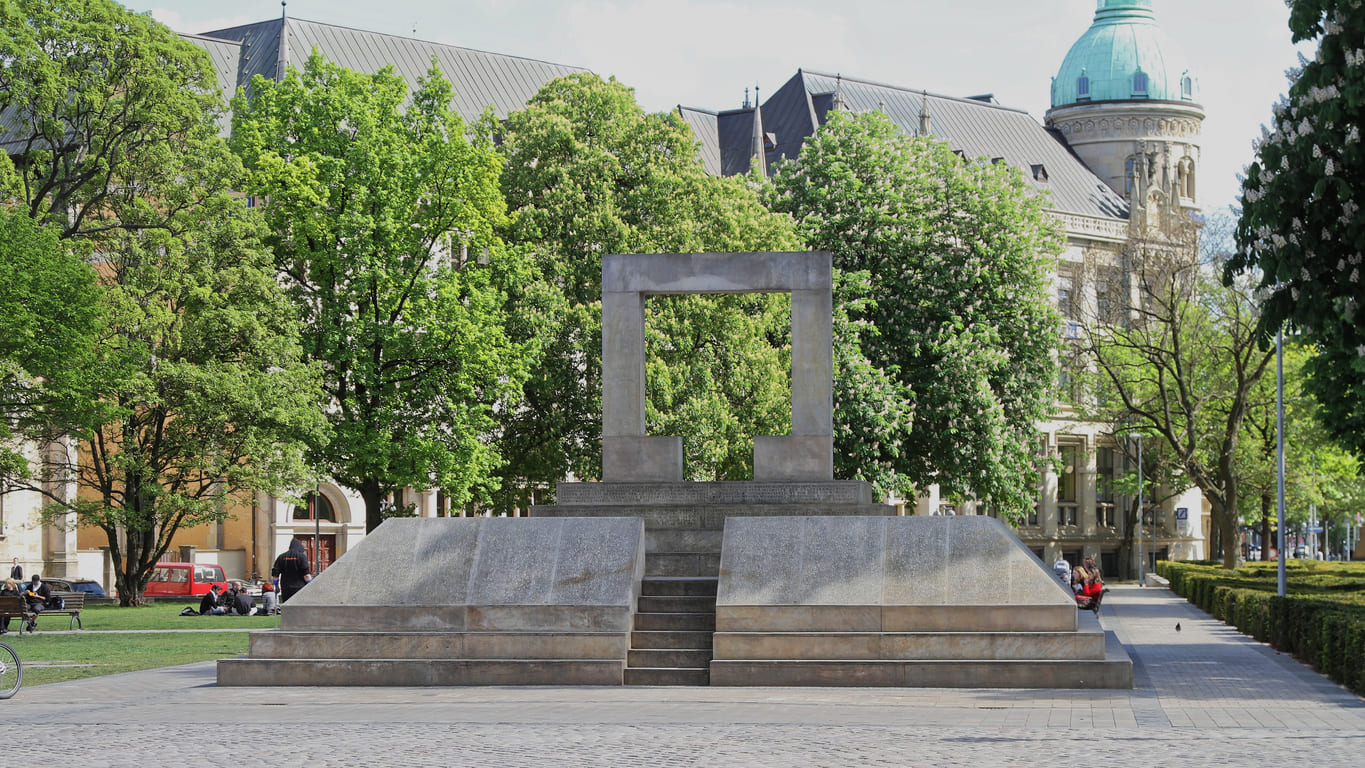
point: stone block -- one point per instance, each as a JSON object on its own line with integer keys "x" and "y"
{"x": 793, "y": 457}
{"x": 642, "y": 459}
{"x": 833, "y": 492}
{"x": 418, "y": 672}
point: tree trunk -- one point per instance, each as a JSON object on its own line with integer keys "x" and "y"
{"x": 1265, "y": 526}
{"x": 1226, "y": 528}
{"x": 1126, "y": 545}
{"x": 373, "y": 495}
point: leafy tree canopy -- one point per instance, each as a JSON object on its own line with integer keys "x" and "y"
{"x": 191, "y": 388}
{"x": 589, "y": 173}
{"x": 99, "y": 101}
{"x": 48, "y": 325}
{"x": 951, "y": 262}
{"x": 1301, "y": 224}
{"x": 384, "y": 212}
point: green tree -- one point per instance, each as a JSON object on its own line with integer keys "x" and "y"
{"x": 954, "y": 260}
{"x": 1181, "y": 363}
{"x": 1300, "y": 230}
{"x": 48, "y": 321}
{"x": 98, "y": 101}
{"x": 197, "y": 390}
{"x": 588, "y": 173}
{"x": 193, "y": 390}
{"x": 384, "y": 215}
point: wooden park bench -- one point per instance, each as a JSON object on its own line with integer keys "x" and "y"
{"x": 15, "y": 607}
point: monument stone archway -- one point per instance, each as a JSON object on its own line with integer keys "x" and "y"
{"x": 628, "y": 454}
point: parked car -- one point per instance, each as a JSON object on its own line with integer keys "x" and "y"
{"x": 88, "y": 586}
{"x": 184, "y": 579}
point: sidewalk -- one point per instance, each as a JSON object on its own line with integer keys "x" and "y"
{"x": 1204, "y": 696}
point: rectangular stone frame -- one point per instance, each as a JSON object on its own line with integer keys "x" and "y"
{"x": 628, "y": 454}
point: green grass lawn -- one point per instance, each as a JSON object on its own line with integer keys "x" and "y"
{"x": 50, "y": 656}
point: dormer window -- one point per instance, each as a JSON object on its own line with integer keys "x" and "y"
{"x": 1139, "y": 83}
{"x": 1186, "y": 87}
{"x": 1039, "y": 172}
{"x": 1083, "y": 87}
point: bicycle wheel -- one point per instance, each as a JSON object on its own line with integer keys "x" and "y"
{"x": 11, "y": 672}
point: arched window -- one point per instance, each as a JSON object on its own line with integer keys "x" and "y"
{"x": 1186, "y": 87}
{"x": 1129, "y": 176}
{"x": 318, "y": 502}
{"x": 1139, "y": 83}
{"x": 1083, "y": 87}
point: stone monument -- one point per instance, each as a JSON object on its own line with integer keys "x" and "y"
{"x": 794, "y": 578}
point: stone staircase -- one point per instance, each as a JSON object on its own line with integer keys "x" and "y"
{"x": 674, "y": 624}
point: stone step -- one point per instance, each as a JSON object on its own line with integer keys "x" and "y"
{"x": 697, "y": 658}
{"x": 667, "y": 676}
{"x": 723, "y": 492}
{"x": 683, "y": 585}
{"x": 675, "y": 540}
{"x": 244, "y": 671}
{"x": 675, "y": 622}
{"x": 683, "y": 564}
{"x": 706, "y": 517}
{"x": 906, "y": 646}
{"x": 676, "y": 604}
{"x": 285, "y": 644}
{"x": 663, "y": 640}
{"x": 1115, "y": 670}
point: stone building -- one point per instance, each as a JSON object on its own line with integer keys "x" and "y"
{"x": 1118, "y": 157}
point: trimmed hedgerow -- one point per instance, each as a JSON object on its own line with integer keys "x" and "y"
{"x": 1321, "y": 621}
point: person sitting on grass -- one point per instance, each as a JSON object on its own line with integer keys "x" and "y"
{"x": 212, "y": 604}
{"x": 239, "y": 599}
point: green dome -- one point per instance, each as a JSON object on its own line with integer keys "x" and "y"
{"x": 1124, "y": 56}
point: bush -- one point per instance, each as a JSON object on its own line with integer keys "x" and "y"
{"x": 1321, "y": 621}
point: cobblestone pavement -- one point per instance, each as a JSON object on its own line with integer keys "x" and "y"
{"x": 1204, "y": 696}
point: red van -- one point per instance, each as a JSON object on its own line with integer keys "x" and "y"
{"x": 183, "y": 579}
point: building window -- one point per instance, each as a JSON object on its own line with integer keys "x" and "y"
{"x": 1139, "y": 83}
{"x": 1083, "y": 87}
{"x": 317, "y": 502}
{"x": 1186, "y": 87}
{"x": 1066, "y": 485}
{"x": 1105, "y": 480}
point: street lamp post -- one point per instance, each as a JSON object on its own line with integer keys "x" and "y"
{"x": 1142, "y": 560}
{"x": 1281, "y": 587}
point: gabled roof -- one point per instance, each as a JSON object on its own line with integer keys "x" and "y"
{"x": 704, "y": 126}
{"x": 974, "y": 127}
{"x": 480, "y": 78}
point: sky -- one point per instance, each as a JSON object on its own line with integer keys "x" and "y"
{"x": 704, "y": 53}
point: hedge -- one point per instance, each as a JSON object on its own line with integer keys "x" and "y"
{"x": 1320, "y": 622}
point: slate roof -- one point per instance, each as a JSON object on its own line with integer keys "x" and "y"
{"x": 976, "y": 127}
{"x": 480, "y": 78}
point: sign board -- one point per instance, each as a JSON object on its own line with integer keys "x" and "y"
{"x": 1182, "y": 513}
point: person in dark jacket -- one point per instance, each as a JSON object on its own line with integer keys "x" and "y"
{"x": 10, "y": 589}
{"x": 292, "y": 569}
{"x": 36, "y": 594}
{"x": 240, "y": 600}
{"x": 17, "y": 572}
{"x": 212, "y": 604}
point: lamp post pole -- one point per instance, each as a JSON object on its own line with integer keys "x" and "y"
{"x": 1142, "y": 560}
{"x": 1279, "y": 458}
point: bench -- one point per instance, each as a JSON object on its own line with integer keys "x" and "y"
{"x": 15, "y": 607}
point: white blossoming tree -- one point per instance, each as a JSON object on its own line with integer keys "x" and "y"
{"x": 944, "y": 269}
{"x": 1300, "y": 224}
